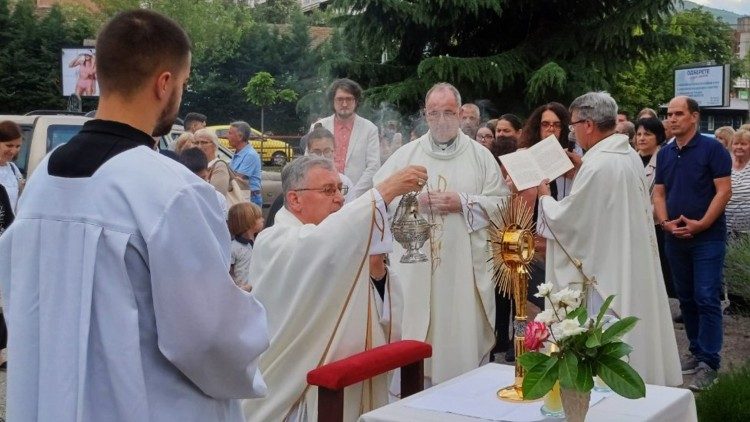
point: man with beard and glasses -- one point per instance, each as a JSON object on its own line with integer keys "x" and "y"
{"x": 449, "y": 301}
{"x": 115, "y": 273}
{"x": 357, "y": 153}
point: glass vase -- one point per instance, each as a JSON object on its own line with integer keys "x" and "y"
{"x": 552, "y": 406}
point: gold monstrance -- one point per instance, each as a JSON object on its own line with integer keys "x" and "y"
{"x": 512, "y": 241}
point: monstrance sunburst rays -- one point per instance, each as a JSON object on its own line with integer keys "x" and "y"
{"x": 508, "y": 224}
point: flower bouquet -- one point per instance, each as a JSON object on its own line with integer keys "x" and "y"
{"x": 582, "y": 348}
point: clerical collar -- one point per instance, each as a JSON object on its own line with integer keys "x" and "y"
{"x": 446, "y": 147}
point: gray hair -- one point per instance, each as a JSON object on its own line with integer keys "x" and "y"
{"x": 599, "y": 107}
{"x": 294, "y": 174}
{"x": 244, "y": 129}
{"x": 444, "y": 86}
{"x": 207, "y": 134}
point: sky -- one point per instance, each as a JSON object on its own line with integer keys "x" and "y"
{"x": 741, "y": 7}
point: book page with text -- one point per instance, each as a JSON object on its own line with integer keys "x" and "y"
{"x": 551, "y": 158}
{"x": 522, "y": 169}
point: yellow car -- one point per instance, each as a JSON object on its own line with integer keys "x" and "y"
{"x": 272, "y": 151}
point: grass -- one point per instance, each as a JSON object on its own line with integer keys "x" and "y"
{"x": 728, "y": 400}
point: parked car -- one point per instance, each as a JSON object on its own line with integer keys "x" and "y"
{"x": 273, "y": 151}
{"x": 43, "y": 133}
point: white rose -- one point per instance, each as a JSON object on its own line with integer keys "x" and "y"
{"x": 568, "y": 297}
{"x": 567, "y": 328}
{"x": 544, "y": 289}
{"x": 547, "y": 316}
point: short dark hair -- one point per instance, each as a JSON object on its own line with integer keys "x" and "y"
{"x": 134, "y": 46}
{"x": 346, "y": 85}
{"x": 194, "y": 159}
{"x": 194, "y": 117}
{"x": 9, "y": 131}
{"x": 514, "y": 120}
{"x": 692, "y": 105}
{"x": 654, "y": 126}
{"x": 624, "y": 113}
{"x": 320, "y": 133}
{"x": 504, "y": 145}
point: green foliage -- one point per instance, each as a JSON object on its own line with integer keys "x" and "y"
{"x": 695, "y": 36}
{"x": 30, "y": 47}
{"x": 728, "y": 400}
{"x": 276, "y": 11}
{"x": 593, "y": 349}
{"x": 513, "y": 52}
{"x": 261, "y": 90}
{"x": 737, "y": 268}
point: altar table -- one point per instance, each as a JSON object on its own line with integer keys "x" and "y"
{"x": 662, "y": 404}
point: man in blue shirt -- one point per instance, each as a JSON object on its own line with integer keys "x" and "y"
{"x": 246, "y": 161}
{"x": 691, "y": 188}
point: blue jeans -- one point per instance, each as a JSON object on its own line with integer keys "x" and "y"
{"x": 697, "y": 276}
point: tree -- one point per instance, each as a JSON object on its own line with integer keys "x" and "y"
{"x": 502, "y": 49}
{"x": 650, "y": 82}
{"x": 261, "y": 90}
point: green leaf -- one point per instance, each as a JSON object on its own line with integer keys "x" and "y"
{"x": 616, "y": 349}
{"x": 594, "y": 339}
{"x": 618, "y": 329}
{"x": 585, "y": 379}
{"x": 603, "y": 309}
{"x": 529, "y": 360}
{"x": 540, "y": 379}
{"x": 583, "y": 316}
{"x": 576, "y": 313}
{"x": 568, "y": 370}
{"x": 621, "y": 378}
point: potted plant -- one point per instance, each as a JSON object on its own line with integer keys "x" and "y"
{"x": 584, "y": 347}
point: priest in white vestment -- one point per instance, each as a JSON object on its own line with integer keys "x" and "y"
{"x": 115, "y": 273}
{"x": 312, "y": 274}
{"x": 449, "y": 301}
{"x": 606, "y": 222}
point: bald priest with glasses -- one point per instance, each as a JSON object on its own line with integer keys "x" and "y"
{"x": 313, "y": 276}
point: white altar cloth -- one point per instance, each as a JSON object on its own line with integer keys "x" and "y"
{"x": 663, "y": 404}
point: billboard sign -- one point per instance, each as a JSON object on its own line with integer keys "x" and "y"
{"x": 79, "y": 72}
{"x": 708, "y": 85}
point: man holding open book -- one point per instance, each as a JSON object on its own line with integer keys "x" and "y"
{"x": 606, "y": 223}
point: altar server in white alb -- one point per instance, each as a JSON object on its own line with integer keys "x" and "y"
{"x": 115, "y": 273}
{"x": 606, "y": 222}
{"x": 312, "y": 274}
{"x": 449, "y": 301}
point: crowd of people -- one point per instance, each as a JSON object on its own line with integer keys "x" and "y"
{"x": 149, "y": 288}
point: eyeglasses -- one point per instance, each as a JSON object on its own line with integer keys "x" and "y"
{"x": 328, "y": 190}
{"x": 572, "y": 125}
{"x": 555, "y": 125}
{"x": 435, "y": 115}
{"x": 485, "y": 137}
{"x": 199, "y": 143}
{"x": 328, "y": 152}
{"x": 341, "y": 100}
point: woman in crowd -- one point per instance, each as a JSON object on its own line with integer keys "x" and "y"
{"x": 218, "y": 171}
{"x": 485, "y": 137}
{"x": 725, "y": 134}
{"x": 183, "y": 142}
{"x": 738, "y": 208}
{"x": 245, "y": 221}
{"x": 649, "y": 136}
{"x": 10, "y": 176}
{"x": 647, "y": 112}
{"x": 508, "y": 125}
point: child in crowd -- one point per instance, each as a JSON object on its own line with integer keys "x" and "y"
{"x": 245, "y": 221}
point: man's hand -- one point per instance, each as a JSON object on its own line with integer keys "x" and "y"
{"x": 439, "y": 202}
{"x": 543, "y": 189}
{"x": 687, "y": 228}
{"x": 408, "y": 179}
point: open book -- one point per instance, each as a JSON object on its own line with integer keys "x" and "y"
{"x": 545, "y": 160}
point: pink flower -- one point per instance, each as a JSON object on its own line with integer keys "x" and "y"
{"x": 535, "y": 335}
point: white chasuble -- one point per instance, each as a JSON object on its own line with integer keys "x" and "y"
{"x": 315, "y": 283}
{"x": 606, "y": 222}
{"x": 449, "y": 301}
